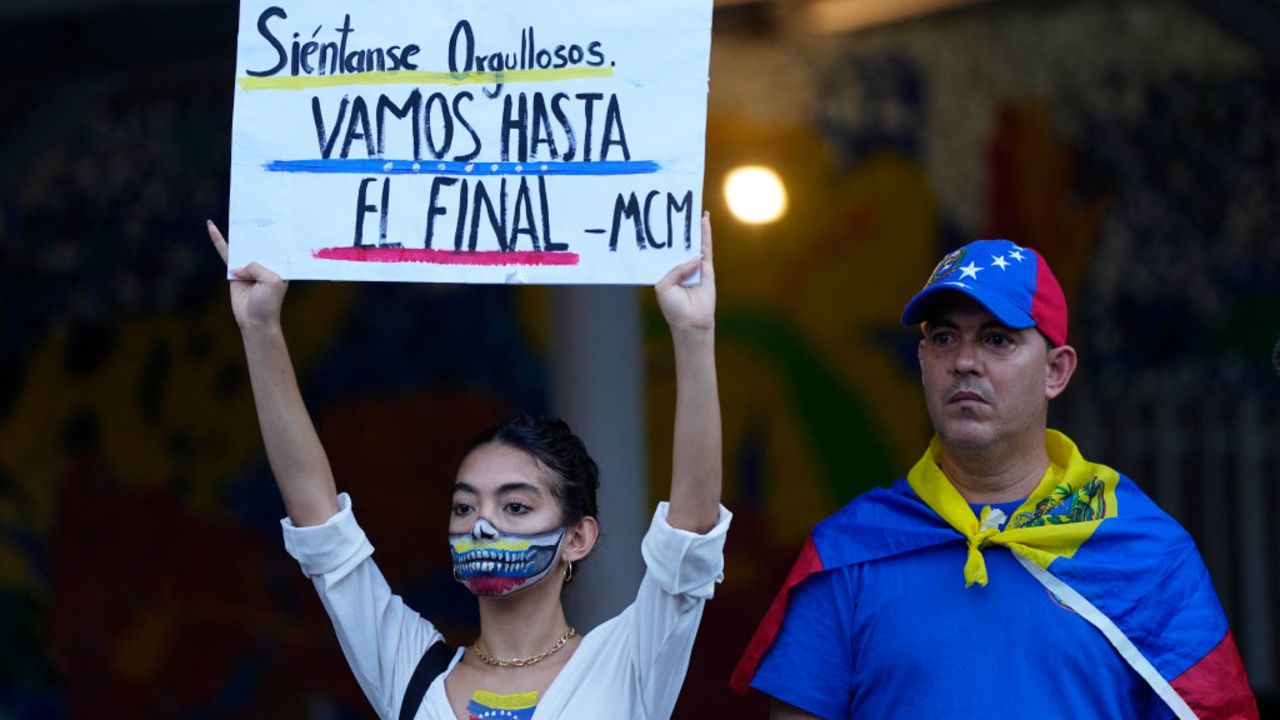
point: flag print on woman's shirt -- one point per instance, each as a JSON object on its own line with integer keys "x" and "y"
{"x": 487, "y": 705}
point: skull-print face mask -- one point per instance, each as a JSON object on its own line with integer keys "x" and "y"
{"x": 492, "y": 563}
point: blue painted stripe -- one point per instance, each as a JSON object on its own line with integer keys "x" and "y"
{"x": 441, "y": 167}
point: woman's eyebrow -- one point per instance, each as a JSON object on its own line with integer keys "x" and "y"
{"x": 515, "y": 486}
{"x": 518, "y": 487}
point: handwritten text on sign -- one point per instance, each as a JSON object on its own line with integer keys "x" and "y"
{"x": 553, "y": 141}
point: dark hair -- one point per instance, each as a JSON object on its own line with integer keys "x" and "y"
{"x": 552, "y": 443}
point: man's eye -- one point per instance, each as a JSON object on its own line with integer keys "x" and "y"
{"x": 1000, "y": 340}
{"x": 941, "y": 338}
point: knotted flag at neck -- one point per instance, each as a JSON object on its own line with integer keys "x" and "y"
{"x": 1064, "y": 510}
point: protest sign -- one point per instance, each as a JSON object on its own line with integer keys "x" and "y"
{"x": 491, "y": 141}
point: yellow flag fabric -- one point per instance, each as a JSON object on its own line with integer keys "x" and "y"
{"x": 1064, "y": 510}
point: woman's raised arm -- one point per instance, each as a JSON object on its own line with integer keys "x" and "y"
{"x": 297, "y": 459}
{"x": 695, "y": 462}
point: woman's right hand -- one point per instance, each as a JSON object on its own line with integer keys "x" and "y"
{"x": 257, "y": 293}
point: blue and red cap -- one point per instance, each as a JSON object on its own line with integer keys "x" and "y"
{"x": 1013, "y": 283}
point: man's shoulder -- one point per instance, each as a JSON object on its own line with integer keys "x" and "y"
{"x": 879, "y": 523}
{"x": 1137, "y": 518}
{"x": 877, "y": 503}
{"x": 1135, "y": 503}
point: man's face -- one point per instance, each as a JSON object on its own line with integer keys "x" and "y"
{"x": 984, "y": 382}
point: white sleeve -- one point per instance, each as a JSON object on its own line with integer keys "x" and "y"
{"x": 682, "y": 569}
{"x": 381, "y": 637}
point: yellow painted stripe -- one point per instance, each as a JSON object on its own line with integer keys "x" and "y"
{"x": 514, "y": 701}
{"x": 421, "y": 77}
{"x": 463, "y": 546}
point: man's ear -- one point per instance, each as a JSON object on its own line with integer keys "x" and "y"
{"x": 580, "y": 538}
{"x": 1061, "y": 362}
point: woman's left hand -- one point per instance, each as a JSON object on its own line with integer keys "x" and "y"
{"x": 691, "y": 309}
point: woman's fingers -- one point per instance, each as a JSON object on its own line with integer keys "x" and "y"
{"x": 678, "y": 273}
{"x": 219, "y": 242}
{"x": 706, "y": 236}
{"x": 682, "y": 271}
{"x": 255, "y": 272}
{"x": 708, "y": 266}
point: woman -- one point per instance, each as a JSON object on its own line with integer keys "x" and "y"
{"x": 523, "y": 514}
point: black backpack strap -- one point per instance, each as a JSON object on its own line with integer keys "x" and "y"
{"x": 433, "y": 662}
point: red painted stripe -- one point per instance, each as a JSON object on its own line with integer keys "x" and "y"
{"x": 492, "y": 586}
{"x": 1216, "y": 687}
{"x": 488, "y": 258}
{"x": 806, "y": 564}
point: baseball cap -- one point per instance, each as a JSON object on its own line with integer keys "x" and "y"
{"x": 1012, "y": 282}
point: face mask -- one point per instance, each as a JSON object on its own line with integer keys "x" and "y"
{"x": 493, "y": 563}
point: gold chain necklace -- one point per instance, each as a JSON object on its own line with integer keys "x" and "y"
{"x": 488, "y": 659}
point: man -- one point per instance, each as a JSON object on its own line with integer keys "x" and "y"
{"x": 1005, "y": 575}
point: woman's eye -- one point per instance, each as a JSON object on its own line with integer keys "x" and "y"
{"x": 461, "y": 509}
{"x": 516, "y": 508}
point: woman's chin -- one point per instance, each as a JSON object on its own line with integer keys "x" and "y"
{"x": 489, "y": 586}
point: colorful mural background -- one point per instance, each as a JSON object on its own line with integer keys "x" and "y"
{"x": 141, "y": 574}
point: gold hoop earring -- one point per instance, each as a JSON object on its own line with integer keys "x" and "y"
{"x": 568, "y": 573}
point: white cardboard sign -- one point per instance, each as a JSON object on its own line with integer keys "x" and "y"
{"x": 486, "y": 141}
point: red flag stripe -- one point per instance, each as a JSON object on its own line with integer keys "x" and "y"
{"x": 1216, "y": 687}
{"x": 806, "y": 564}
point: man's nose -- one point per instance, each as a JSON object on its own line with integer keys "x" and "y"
{"x": 483, "y": 530}
{"x": 966, "y": 357}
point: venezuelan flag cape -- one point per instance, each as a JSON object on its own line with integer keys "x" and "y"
{"x": 1090, "y": 536}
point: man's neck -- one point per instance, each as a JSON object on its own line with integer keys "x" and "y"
{"x": 995, "y": 475}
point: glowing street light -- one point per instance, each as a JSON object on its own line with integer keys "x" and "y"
{"x": 755, "y": 194}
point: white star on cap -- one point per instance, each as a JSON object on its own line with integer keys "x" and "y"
{"x": 999, "y": 261}
{"x": 970, "y": 271}
{"x": 1016, "y": 254}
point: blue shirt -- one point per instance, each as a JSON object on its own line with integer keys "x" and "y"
{"x": 904, "y": 638}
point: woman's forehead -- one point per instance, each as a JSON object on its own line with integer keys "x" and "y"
{"x": 495, "y": 467}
